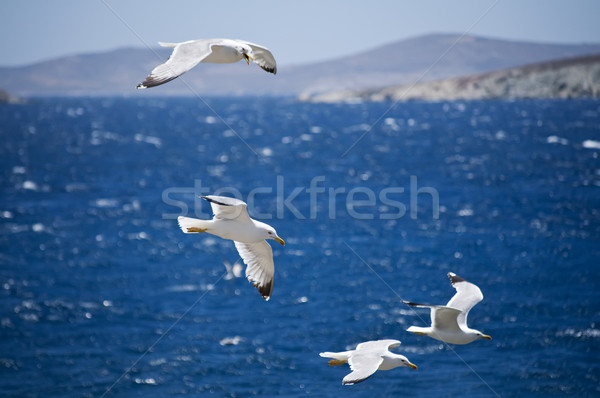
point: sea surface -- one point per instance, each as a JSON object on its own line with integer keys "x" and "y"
{"x": 102, "y": 295}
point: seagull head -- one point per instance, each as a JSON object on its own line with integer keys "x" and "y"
{"x": 405, "y": 362}
{"x": 272, "y": 234}
{"x": 482, "y": 336}
{"x": 396, "y": 360}
{"x": 247, "y": 53}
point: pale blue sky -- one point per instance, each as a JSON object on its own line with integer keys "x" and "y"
{"x": 297, "y": 32}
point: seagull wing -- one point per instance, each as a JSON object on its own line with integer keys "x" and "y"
{"x": 260, "y": 269}
{"x": 228, "y": 208}
{"x": 363, "y": 364}
{"x": 442, "y": 317}
{"x": 378, "y": 345}
{"x": 185, "y": 56}
{"x": 466, "y": 297}
{"x": 445, "y": 318}
{"x": 263, "y": 57}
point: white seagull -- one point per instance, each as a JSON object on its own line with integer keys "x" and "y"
{"x": 190, "y": 53}
{"x": 367, "y": 358}
{"x": 449, "y": 322}
{"x": 231, "y": 221}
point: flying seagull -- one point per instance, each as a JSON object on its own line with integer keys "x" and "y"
{"x": 449, "y": 322}
{"x": 231, "y": 221}
{"x": 188, "y": 54}
{"x": 367, "y": 358}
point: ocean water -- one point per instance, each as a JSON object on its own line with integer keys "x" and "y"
{"x": 101, "y": 295}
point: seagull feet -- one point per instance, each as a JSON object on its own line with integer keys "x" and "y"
{"x": 196, "y": 229}
{"x": 335, "y": 362}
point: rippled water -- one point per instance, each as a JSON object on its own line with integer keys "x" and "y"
{"x": 102, "y": 295}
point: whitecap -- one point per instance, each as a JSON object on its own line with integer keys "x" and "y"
{"x": 99, "y": 136}
{"x": 74, "y": 112}
{"x": 30, "y": 185}
{"x": 191, "y": 288}
{"x": 159, "y": 361}
{"x": 106, "y": 202}
{"x": 403, "y": 311}
{"x": 142, "y": 236}
{"x": 357, "y": 127}
{"x": 29, "y": 317}
{"x": 423, "y": 350}
{"x": 382, "y": 148}
{"x": 149, "y": 381}
{"x": 18, "y": 170}
{"x": 38, "y": 227}
{"x": 183, "y": 288}
{"x": 148, "y": 139}
{"x": 465, "y": 212}
{"x": 235, "y": 340}
{"x": 591, "y": 144}
{"x": 553, "y": 139}
{"x": 585, "y": 333}
{"x": 390, "y": 122}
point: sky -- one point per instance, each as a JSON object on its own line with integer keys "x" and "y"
{"x": 296, "y": 31}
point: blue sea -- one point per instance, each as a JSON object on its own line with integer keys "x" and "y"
{"x": 102, "y": 295}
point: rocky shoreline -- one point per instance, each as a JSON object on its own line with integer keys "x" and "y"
{"x": 568, "y": 78}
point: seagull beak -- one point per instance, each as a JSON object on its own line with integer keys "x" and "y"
{"x": 485, "y": 336}
{"x": 278, "y": 239}
{"x": 248, "y": 58}
{"x": 412, "y": 365}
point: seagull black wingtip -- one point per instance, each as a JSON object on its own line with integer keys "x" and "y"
{"x": 409, "y": 303}
{"x": 211, "y": 200}
{"x": 455, "y": 278}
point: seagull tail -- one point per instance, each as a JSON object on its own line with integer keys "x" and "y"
{"x": 418, "y": 330}
{"x": 163, "y": 44}
{"x": 190, "y": 225}
{"x": 339, "y": 358}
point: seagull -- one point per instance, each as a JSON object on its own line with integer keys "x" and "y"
{"x": 449, "y": 322}
{"x": 231, "y": 221}
{"x": 190, "y": 53}
{"x": 367, "y": 358}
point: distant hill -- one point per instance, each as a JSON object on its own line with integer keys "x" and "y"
{"x": 567, "y": 78}
{"x": 118, "y": 72}
{"x": 8, "y": 98}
